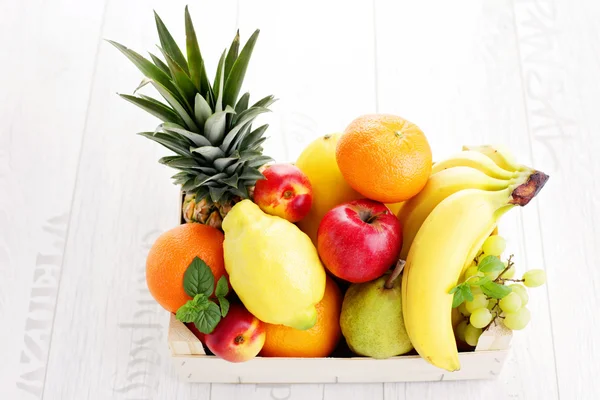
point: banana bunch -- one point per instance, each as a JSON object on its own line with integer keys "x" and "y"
{"x": 445, "y": 226}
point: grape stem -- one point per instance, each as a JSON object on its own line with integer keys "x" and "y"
{"x": 497, "y": 315}
{"x": 509, "y": 264}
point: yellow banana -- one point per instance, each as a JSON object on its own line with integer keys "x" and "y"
{"x": 498, "y": 154}
{"x": 475, "y": 160}
{"x": 439, "y": 186}
{"x": 436, "y": 258}
{"x": 434, "y": 265}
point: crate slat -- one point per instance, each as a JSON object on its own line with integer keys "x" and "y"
{"x": 195, "y": 366}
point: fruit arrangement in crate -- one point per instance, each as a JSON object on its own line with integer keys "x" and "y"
{"x": 364, "y": 249}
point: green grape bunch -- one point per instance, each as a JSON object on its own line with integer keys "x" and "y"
{"x": 490, "y": 293}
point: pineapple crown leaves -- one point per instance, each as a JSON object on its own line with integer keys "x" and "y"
{"x": 203, "y": 123}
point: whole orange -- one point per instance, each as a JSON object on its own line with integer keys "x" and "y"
{"x": 318, "y": 341}
{"x": 173, "y": 252}
{"x": 384, "y": 157}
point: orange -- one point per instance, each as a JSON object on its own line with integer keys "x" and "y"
{"x": 384, "y": 157}
{"x": 318, "y": 341}
{"x": 173, "y": 252}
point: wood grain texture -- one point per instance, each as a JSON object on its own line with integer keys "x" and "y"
{"x": 194, "y": 365}
{"x": 45, "y": 80}
{"x": 82, "y": 198}
{"x": 109, "y": 332}
{"x": 559, "y": 59}
{"x": 459, "y": 80}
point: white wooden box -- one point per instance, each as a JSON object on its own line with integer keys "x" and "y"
{"x": 195, "y": 365}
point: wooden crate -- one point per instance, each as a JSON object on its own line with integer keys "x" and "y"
{"x": 194, "y": 365}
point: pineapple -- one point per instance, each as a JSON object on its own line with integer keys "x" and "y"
{"x": 208, "y": 128}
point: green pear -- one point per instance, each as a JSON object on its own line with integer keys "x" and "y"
{"x": 371, "y": 318}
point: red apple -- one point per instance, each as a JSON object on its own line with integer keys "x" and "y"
{"x": 238, "y": 337}
{"x": 360, "y": 240}
{"x": 285, "y": 192}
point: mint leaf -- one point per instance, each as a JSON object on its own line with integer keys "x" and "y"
{"x": 490, "y": 264}
{"x": 224, "y": 303}
{"x": 466, "y": 292}
{"x": 222, "y": 287}
{"x": 190, "y": 310}
{"x": 481, "y": 281}
{"x": 198, "y": 279}
{"x": 207, "y": 319}
{"x": 461, "y": 293}
{"x": 458, "y": 298}
{"x": 494, "y": 290}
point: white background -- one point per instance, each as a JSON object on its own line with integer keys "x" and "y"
{"x": 82, "y": 197}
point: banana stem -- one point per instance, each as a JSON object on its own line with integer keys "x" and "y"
{"x": 389, "y": 283}
{"x": 523, "y": 194}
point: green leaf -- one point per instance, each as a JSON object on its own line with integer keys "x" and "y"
{"x": 232, "y": 54}
{"x": 195, "y": 62}
{"x": 210, "y": 153}
{"x": 495, "y": 290}
{"x": 154, "y": 107}
{"x": 490, "y": 264}
{"x": 245, "y": 131}
{"x": 182, "y": 162}
{"x": 249, "y": 173}
{"x": 457, "y": 299}
{"x": 202, "y": 110}
{"x": 222, "y": 287}
{"x": 231, "y": 181}
{"x": 172, "y": 99}
{"x": 462, "y": 292}
{"x": 198, "y": 279}
{"x": 222, "y": 163}
{"x": 168, "y": 142}
{"x": 190, "y": 310}
{"x": 160, "y": 64}
{"x": 208, "y": 170}
{"x": 482, "y": 280}
{"x": 214, "y": 128}
{"x": 264, "y": 102}
{"x": 216, "y": 193}
{"x": 242, "y": 104}
{"x": 259, "y": 161}
{"x": 467, "y": 293}
{"x": 235, "y": 77}
{"x": 207, "y": 320}
{"x": 182, "y": 80}
{"x": 224, "y": 303}
{"x": 168, "y": 43}
{"x": 254, "y": 136}
{"x": 219, "y": 83}
{"x": 241, "y": 122}
{"x": 149, "y": 70}
{"x": 194, "y": 137}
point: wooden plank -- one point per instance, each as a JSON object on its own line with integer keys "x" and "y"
{"x": 110, "y": 339}
{"x": 458, "y": 78}
{"x": 558, "y": 44}
{"x": 47, "y": 65}
{"x": 193, "y": 365}
{"x": 474, "y": 365}
{"x": 322, "y": 70}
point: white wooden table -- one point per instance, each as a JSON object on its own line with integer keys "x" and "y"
{"x": 82, "y": 197}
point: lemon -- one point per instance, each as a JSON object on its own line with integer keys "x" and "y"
{"x": 317, "y": 161}
{"x": 273, "y": 267}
